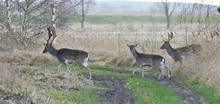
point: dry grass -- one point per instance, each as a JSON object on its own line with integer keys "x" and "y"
{"x": 15, "y": 77}
{"x": 109, "y": 44}
{"x": 206, "y": 65}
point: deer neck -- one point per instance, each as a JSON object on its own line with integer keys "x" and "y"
{"x": 134, "y": 52}
{"x": 52, "y": 50}
{"x": 170, "y": 50}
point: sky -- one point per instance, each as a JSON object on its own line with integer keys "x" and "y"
{"x": 213, "y": 2}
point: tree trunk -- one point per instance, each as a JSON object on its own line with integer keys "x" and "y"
{"x": 168, "y": 21}
{"x": 83, "y": 14}
{"x": 8, "y": 12}
{"x": 53, "y": 14}
{"x": 24, "y": 25}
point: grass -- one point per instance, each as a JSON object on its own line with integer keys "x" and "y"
{"x": 210, "y": 61}
{"x": 108, "y": 45}
{"x": 80, "y": 96}
{"x": 144, "y": 90}
{"x": 148, "y": 91}
{"x": 113, "y": 19}
{"x": 200, "y": 86}
{"x": 209, "y": 93}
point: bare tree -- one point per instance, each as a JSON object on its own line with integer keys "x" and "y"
{"x": 30, "y": 17}
{"x": 30, "y": 11}
{"x": 168, "y": 9}
{"x": 200, "y": 15}
{"x": 5, "y": 10}
{"x": 76, "y": 9}
{"x": 85, "y": 6}
{"x": 64, "y": 10}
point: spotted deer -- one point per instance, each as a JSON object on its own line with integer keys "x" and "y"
{"x": 149, "y": 60}
{"x": 65, "y": 55}
{"x": 178, "y": 53}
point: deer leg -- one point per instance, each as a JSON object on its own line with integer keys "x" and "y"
{"x": 89, "y": 71}
{"x": 168, "y": 72}
{"x": 161, "y": 72}
{"x": 66, "y": 65}
{"x": 143, "y": 70}
{"x": 162, "y": 68}
{"x": 59, "y": 67}
{"x": 86, "y": 65}
{"x": 61, "y": 63}
{"x": 159, "y": 76}
{"x": 134, "y": 71}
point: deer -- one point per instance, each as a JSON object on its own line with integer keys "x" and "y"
{"x": 178, "y": 53}
{"x": 65, "y": 55}
{"x": 149, "y": 60}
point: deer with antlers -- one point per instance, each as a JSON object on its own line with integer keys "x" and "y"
{"x": 149, "y": 60}
{"x": 177, "y": 53}
{"x": 64, "y": 55}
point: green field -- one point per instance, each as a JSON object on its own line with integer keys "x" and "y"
{"x": 113, "y": 19}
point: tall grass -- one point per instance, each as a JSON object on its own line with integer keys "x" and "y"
{"x": 109, "y": 43}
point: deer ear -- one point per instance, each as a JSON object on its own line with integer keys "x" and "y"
{"x": 135, "y": 45}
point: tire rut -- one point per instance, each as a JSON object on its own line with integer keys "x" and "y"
{"x": 114, "y": 91}
{"x": 186, "y": 94}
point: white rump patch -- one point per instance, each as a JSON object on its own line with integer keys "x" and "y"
{"x": 85, "y": 62}
{"x": 162, "y": 63}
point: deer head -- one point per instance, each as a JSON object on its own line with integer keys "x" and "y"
{"x": 132, "y": 46}
{"x": 167, "y": 42}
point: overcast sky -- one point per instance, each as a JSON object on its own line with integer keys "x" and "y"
{"x": 214, "y": 2}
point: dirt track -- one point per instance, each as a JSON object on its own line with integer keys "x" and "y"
{"x": 116, "y": 87}
{"x": 114, "y": 90}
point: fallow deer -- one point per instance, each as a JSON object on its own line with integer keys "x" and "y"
{"x": 178, "y": 53}
{"x": 149, "y": 60}
{"x": 65, "y": 55}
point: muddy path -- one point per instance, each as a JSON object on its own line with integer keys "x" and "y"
{"x": 116, "y": 85}
{"x": 115, "y": 91}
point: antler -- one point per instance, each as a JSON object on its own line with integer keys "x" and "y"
{"x": 51, "y": 32}
{"x": 170, "y": 36}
